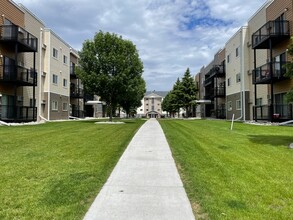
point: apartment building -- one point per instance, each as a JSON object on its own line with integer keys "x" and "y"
{"x": 255, "y": 57}
{"x": 18, "y": 75}
{"x": 237, "y": 90}
{"x": 37, "y": 69}
{"x": 152, "y": 105}
{"x": 274, "y": 37}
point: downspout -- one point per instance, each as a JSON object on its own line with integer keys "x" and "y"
{"x": 243, "y": 76}
{"x": 49, "y": 77}
{"x": 40, "y": 74}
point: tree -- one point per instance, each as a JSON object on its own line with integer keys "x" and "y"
{"x": 289, "y": 72}
{"x": 188, "y": 91}
{"x": 108, "y": 67}
{"x": 134, "y": 93}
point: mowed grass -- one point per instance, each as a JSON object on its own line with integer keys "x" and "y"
{"x": 55, "y": 170}
{"x": 246, "y": 173}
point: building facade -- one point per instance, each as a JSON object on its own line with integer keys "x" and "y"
{"x": 37, "y": 69}
{"x": 256, "y": 85}
{"x": 18, "y": 75}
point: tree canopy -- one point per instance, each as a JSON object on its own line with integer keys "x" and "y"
{"x": 182, "y": 95}
{"x": 110, "y": 67}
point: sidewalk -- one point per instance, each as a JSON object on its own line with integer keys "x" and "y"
{"x": 145, "y": 183}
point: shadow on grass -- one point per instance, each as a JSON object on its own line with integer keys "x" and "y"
{"x": 274, "y": 140}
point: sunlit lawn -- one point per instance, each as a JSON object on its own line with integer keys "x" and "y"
{"x": 55, "y": 170}
{"x": 246, "y": 173}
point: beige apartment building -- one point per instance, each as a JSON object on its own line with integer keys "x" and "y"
{"x": 254, "y": 66}
{"x": 18, "y": 75}
{"x": 152, "y": 105}
{"x": 37, "y": 69}
{"x": 237, "y": 89}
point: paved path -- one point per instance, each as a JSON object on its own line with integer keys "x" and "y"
{"x": 145, "y": 183}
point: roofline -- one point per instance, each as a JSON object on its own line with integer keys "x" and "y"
{"x": 25, "y": 9}
{"x": 265, "y": 5}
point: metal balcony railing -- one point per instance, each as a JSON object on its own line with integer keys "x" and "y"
{"x": 12, "y": 33}
{"x": 262, "y": 75}
{"x": 76, "y": 93}
{"x": 276, "y": 31}
{"x": 219, "y": 91}
{"x": 18, "y": 75}
{"x": 17, "y": 113}
{"x": 280, "y": 112}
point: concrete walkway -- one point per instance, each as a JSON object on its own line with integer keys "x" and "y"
{"x": 145, "y": 183}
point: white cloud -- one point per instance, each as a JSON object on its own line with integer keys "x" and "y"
{"x": 170, "y": 35}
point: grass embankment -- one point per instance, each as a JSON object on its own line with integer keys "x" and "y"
{"x": 246, "y": 173}
{"x": 55, "y": 170}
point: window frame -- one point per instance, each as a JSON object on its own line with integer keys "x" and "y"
{"x": 55, "y": 79}
{"x": 238, "y": 104}
{"x": 54, "y": 106}
{"x": 55, "y": 53}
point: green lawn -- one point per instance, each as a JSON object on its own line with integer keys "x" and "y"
{"x": 246, "y": 173}
{"x": 55, "y": 170}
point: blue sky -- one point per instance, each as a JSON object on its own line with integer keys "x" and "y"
{"x": 171, "y": 35}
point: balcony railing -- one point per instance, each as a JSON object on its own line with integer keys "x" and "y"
{"x": 208, "y": 81}
{"x": 276, "y": 31}
{"x": 76, "y": 93}
{"x": 280, "y": 112}
{"x": 221, "y": 112}
{"x": 262, "y": 74}
{"x": 12, "y": 33}
{"x": 17, "y": 113}
{"x": 18, "y": 75}
{"x": 219, "y": 91}
{"x": 77, "y": 113}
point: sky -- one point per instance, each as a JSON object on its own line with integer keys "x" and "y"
{"x": 170, "y": 35}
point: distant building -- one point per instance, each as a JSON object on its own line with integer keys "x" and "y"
{"x": 152, "y": 105}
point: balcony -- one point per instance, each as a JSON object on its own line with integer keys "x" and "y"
{"x": 262, "y": 74}
{"x": 76, "y": 93}
{"x": 77, "y": 113}
{"x": 208, "y": 81}
{"x": 17, "y": 113}
{"x": 273, "y": 31}
{"x": 221, "y": 112}
{"x": 72, "y": 72}
{"x": 11, "y": 35}
{"x": 219, "y": 91}
{"x": 280, "y": 112}
{"x": 17, "y": 75}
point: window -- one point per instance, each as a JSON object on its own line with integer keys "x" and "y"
{"x": 65, "y": 59}
{"x": 228, "y": 59}
{"x": 65, "y": 83}
{"x": 237, "y": 51}
{"x": 229, "y": 81}
{"x": 55, "y": 53}
{"x": 65, "y": 106}
{"x": 153, "y": 108}
{"x": 54, "y": 105}
{"x": 238, "y": 104}
{"x": 147, "y": 109}
{"x": 238, "y": 77}
{"x": 258, "y": 102}
{"x": 153, "y": 100}
{"x": 229, "y": 104}
{"x": 55, "y": 79}
{"x": 141, "y": 110}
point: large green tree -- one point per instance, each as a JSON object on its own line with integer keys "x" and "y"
{"x": 188, "y": 92}
{"x": 289, "y": 72}
{"x": 108, "y": 67}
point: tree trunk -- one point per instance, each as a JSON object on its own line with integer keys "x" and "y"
{"x": 111, "y": 112}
